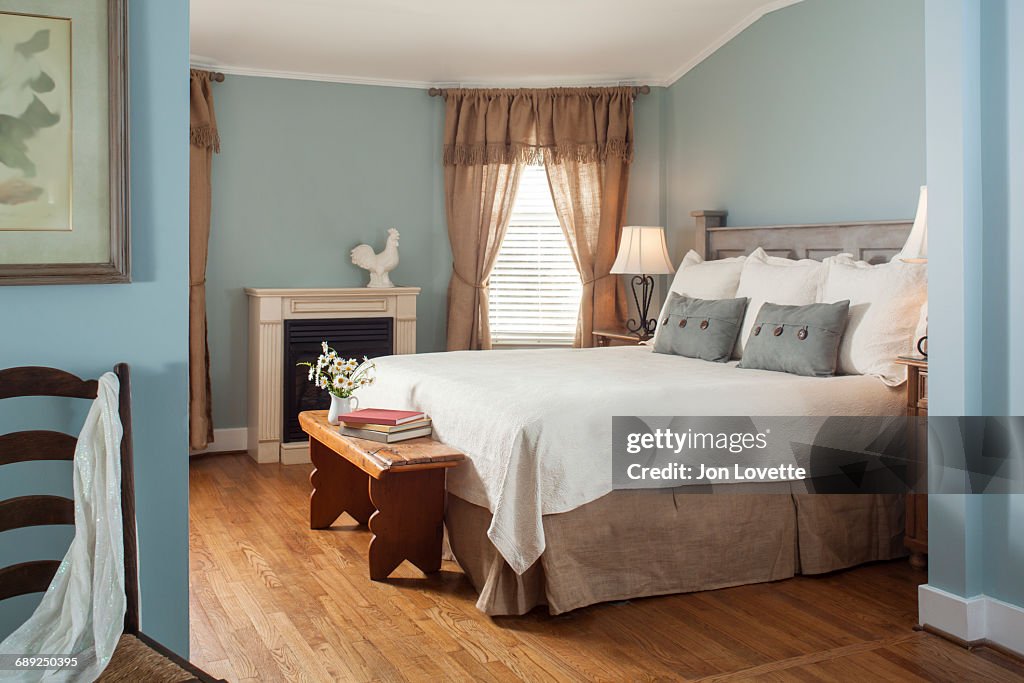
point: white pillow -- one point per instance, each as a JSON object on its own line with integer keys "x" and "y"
{"x": 770, "y": 279}
{"x": 885, "y": 307}
{"x": 702, "y": 279}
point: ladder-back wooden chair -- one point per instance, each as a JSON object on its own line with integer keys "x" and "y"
{"x": 138, "y": 657}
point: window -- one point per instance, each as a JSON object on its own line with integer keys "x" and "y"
{"x": 535, "y": 290}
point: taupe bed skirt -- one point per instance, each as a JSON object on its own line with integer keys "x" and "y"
{"x": 632, "y": 544}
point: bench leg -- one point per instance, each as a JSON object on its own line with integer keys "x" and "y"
{"x": 338, "y": 486}
{"x": 409, "y": 522}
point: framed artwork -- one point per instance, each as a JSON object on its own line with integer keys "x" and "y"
{"x": 64, "y": 201}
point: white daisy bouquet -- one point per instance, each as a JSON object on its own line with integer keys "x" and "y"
{"x": 340, "y": 376}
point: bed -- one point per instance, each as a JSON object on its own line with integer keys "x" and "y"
{"x": 532, "y": 517}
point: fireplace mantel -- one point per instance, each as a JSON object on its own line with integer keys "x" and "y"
{"x": 268, "y": 309}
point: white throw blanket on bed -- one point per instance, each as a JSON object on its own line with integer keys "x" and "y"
{"x": 536, "y": 425}
{"x": 82, "y": 613}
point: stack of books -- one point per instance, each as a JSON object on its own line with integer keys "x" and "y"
{"x": 386, "y": 426}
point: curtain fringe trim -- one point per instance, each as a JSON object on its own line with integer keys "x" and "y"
{"x": 205, "y": 136}
{"x": 482, "y": 154}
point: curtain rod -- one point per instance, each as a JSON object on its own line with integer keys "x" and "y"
{"x": 640, "y": 89}
{"x": 216, "y": 76}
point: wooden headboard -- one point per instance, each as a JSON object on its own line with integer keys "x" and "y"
{"x": 871, "y": 241}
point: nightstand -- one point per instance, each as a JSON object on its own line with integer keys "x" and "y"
{"x": 616, "y": 338}
{"x": 916, "y": 536}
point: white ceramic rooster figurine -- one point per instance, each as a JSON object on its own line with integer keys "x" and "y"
{"x": 380, "y": 264}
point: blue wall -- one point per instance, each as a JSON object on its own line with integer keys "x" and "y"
{"x": 309, "y": 170}
{"x": 86, "y": 329}
{"x": 975, "y": 97}
{"x": 814, "y": 113}
{"x": 646, "y": 200}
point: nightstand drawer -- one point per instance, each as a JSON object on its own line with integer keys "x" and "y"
{"x": 922, "y": 390}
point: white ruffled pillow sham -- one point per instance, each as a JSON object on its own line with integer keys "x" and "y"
{"x": 772, "y": 279}
{"x": 885, "y": 309}
{"x": 700, "y": 279}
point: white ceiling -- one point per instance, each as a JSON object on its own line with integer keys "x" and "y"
{"x": 418, "y": 43}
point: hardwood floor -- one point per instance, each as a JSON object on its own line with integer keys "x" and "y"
{"x": 273, "y": 601}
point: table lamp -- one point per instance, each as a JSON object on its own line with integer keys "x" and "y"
{"x": 643, "y": 254}
{"x": 916, "y": 251}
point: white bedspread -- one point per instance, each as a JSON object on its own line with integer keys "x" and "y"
{"x": 536, "y": 424}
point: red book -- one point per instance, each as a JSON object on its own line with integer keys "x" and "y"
{"x": 381, "y": 416}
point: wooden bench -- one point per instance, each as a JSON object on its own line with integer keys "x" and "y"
{"x": 397, "y": 489}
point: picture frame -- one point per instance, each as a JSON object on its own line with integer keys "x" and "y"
{"x": 83, "y": 237}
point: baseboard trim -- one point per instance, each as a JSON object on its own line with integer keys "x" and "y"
{"x": 977, "y": 621}
{"x": 295, "y": 453}
{"x": 1005, "y": 625}
{"x": 225, "y": 440}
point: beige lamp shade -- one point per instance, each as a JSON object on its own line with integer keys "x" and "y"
{"x": 916, "y": 248}
{"x": 642, "y": 251}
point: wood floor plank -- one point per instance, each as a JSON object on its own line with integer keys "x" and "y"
{"x": 221, "y": 669}
{"x": 935, "y": 661}
{"x": 272, "y": 600}
{"x": 804, "y": 661}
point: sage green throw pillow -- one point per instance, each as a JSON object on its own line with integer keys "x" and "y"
{"x": 699, "y": 328}
{"x": 800, "y": 340}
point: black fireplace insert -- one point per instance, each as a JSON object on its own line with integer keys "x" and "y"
{"x": 350, "y": 337}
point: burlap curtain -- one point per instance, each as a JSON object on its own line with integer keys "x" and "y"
{"x": 590, "y": 198}
{"x": 204, "y": 140}
{"x": 479, "y": 205}
{"x": 585, "y": 138}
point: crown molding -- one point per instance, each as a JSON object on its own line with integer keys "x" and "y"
{"x": 206, "y": 63}
{"x": 726, "y": 37}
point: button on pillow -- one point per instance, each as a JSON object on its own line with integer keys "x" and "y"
{"x": 800, "y": 340}
{"x": 699, "y": 328}
{"x": 702, "y": 279}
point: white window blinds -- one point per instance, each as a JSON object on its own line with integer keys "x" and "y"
{"x": 534, "y": 287}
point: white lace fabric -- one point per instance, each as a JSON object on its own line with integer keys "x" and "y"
{"x": 82, "y": 613}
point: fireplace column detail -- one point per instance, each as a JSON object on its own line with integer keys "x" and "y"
{"x": 268, "y": 309}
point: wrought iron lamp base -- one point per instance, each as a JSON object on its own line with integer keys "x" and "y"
{"x": 644, "y": 327}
